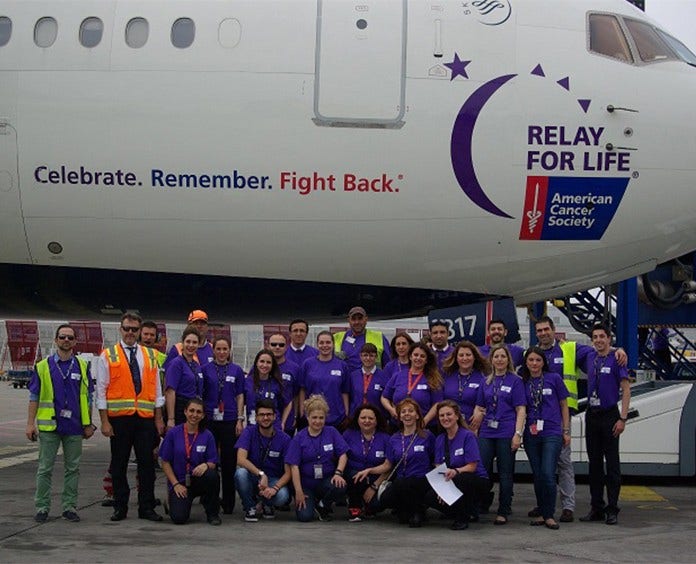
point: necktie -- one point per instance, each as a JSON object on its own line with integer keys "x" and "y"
{"x": 135, "y": 369}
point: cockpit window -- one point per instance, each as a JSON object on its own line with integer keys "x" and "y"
{"x": 682, "y": 51}
{"x": 651, "y": 48}
{"x": 607, "y": 38}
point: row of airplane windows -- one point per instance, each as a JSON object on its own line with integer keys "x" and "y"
{"x": 183, "y": 32}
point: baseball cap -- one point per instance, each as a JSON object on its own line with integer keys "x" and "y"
{"x": 357, "y": 310}
{"x": 197, "y": 315}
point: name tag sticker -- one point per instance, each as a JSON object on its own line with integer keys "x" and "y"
{"x": 336, "y": 373}
{"x": 606, "y": 369}
{"x": 273, "y": 453}
{"x": 75, "y": 376}
{"x": 422, "y": 387}
{"x": 459, "y": 452}
{"x": 66, "y": 413}
{"x": 594, "y": 401}
{"x": 350, "y": 340}
{"x": 217, "y": 414}
{"x": 506, "y": 389}
{"x": 546, "y": 391}
{"x": 473, "y": 385}
{"x": 419, "y": 448}
{"x": 201, "y": 448}
{"x": 328, "y": 447}
{"x": 379, "y": 454}
{"x": 493, "y": 424}
{"x": 229, "y": 379}
{"x": 558, "y": 360}
{"x": 540, "y": 424}
{"x": 287, "y": 376}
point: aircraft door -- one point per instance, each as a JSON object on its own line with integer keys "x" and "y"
{"x": 360, "y": 67}
{"x": 12, "y": 234}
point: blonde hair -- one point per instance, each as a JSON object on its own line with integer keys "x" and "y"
{"x": 510, "y": 365}
{"x": 316, "y": 402}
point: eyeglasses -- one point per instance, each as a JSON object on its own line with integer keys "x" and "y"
{"x": 276, "y": 344}
{"x": 259, "y": 415}
{"x": 65, "y": 338}
{"x": 130, "y": 329}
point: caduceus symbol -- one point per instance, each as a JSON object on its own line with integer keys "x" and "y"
{"x": 534, "y": 214}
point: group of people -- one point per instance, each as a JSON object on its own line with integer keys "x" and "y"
{"x": 357, "y": 418}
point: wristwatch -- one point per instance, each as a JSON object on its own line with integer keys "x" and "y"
{"x": 519, "y": 434}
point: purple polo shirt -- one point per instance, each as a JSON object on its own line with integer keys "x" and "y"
{"x": 331, "y": 379}
{"x": 463, "y": 450}
{"x": 364, "y": 454}
{"x": 186, "y": 379}
{"x": 173, "y": 450}
{"x": 306, "y": 451}
{"x": 267, "y": 389}
{"x": 604, "y": 377}
{"x": 499, "y": 399}
{"x": 517, "y": 353}
{"x": 544, "y": 395}
{"x": 223, "y": 383}
{"x": 419, "y": 455}
{"x": 298, "y": 356}
{"x": 441, "y": 354}
{"x": 352, "y": 344}
{"x": 290, "y": 372}
{"x": 422, "y": 393}
{"x": 378, "y": 382}
{"x": 463, "y": 390}
{"x": 204, "y": 353}
{"x": 66, "y": 379}
{"x": 266, "y": 453}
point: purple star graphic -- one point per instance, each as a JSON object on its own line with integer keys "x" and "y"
{"x": 458, "y": 67}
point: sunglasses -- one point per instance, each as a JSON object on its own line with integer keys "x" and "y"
{"x": 276, "y": 344}
{"x": 130, "y": 329}
{"x": 65, "y": 338}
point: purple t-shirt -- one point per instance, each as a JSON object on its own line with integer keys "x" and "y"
{"x": 463, "y": 390}
{"x": 266, "y": 453}
{"x": 420, "y": 453}
{"x": 67, "y": 380}
{"x": 376, "y": 386}
{"x": 323, "y": 450}
{"x": 364, "y": 454}
{"x": 353, "y": 344}
{"x": 544, "y": 395}
{"x": 290, "y": 372}
{"x": 329, "y": 378}
{"x": 185, "y": 378}
{"x": 223, "y": 383}
{"x": 604, "y": 377}
{"x": 204, "y": 353}
{"x": 499, "y": 399}
{"x": 300, "y": 355}
{"x": 268, "y": 389}
{"x": 173, "y": 450}
{"x": 517, "y": 353}
{"x": 554, "y": 356}
{"x": 395, "y": 367}
{"x": 441, "y": 354}
{"x": 463, "y": 450}
{"x": 398, "y": 386}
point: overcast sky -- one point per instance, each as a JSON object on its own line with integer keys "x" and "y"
{"x": 677, "y": 16}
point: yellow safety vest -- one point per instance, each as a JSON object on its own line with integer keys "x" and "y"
{"x": 46, "y": 413}
{"x": 373, "y": 337}
{"x": 570, "y": 372}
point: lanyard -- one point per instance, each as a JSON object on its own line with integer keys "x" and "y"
{"x": 412, "y": 384}
{"x": 366, "y": 445}
{"x": 598, "y": 365}
{"x": 536, "y": 391}
{"x": 196, "y": 380}
{"x": 65, "y": 377}
{"x": 265, "y": 448}
{"x": 367, "y": 379}
{"x": 317, "y": 451}
{"x": 405, "y": 449}
{"x": 221, "y": 374}
{"x": 497, "y": 384}
{"x": 188, "y": 447}
{"x": 467, "y": 377}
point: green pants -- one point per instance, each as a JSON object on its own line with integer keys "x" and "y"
{"x": 49, "y": 441}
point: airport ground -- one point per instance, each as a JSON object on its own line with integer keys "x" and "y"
{"x": 656, "y": 524}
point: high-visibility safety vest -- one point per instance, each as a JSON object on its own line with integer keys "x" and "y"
{"x": 46, "y": 413}
{"x": 570, "y": 373}
{"x": 120, "y": 394}
{"x": 373, "y": 337}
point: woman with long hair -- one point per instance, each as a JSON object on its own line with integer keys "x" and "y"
{"x": 464, "y": 371}
{"x": 265, "y": 381}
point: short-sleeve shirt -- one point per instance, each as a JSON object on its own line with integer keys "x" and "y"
{"x": 544, "y": 395}
{"x": 223, "y": 383}
{"x": 604, "y": 377}
{"x": 173, "y": 450}
{"x": 266, "y": 453}
{"x": 363, "y": 390}
{"x": 500, "y": 399}
{"x": 464, "y": 390}
{"x": 463, "y": 450}
{"x": 364, "y": 454}
{"x": 329, "y": 378}
{"x": 420, "y": 453}
{"x": 185, "y": 378}
{"x": 306, "y": 452}
{"x": 398, "y": 388}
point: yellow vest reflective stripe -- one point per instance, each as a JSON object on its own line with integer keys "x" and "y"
{"x": 46, "y": 413}
{"x": 372, "y": 337}
{"x": 570, "y": 372}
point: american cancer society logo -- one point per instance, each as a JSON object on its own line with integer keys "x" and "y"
{"x": 570, "y": 208}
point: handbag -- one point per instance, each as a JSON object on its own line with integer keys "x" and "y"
{"x": 386, "y": 484}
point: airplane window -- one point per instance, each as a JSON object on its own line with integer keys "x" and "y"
{"x": 91, "y": 31}
{"x": 45, "y": 32}
{"x": 607, "y": 38}
{"x": 229, "y": 33}
{"x": 183, "y": 33}
{"x": 137, "y": 32}
{"x": 682, "y": 51}
{"x": 5, "y": 30}
{"x": 650, "y": 47}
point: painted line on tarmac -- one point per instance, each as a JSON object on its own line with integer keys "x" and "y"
{"x": 639, "y": 493}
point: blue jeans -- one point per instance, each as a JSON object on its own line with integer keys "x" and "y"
{"x": 501, "y": 451}
{"x": 543, "y": 453}
{"x": 248, "y": 489}
{"x": 325, "y": 492}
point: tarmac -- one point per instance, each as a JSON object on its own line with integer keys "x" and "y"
{"x": 656, "y": 523}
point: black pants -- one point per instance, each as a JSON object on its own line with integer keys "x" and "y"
{"x": 226, "y": 438}
{"x": 603, "y": 445}
{"x": 208, "y": 487}
{"x": 406, "y": 495}
{"x": 137, "y": 433}
{"x": 474, "y": 489}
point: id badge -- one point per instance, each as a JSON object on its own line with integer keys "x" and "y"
{"x": 493, "y": 424}
{"x": 187, "y": 480}
{"x": 67, "y": 413}
{"x": 540, "y": 424}
{"x": 217, "y": 414}
{"x": 594, "y": 401}
{"x": 318, "y": 472}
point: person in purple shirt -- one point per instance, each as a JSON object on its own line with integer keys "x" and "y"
{"x": 327, "y": 375}
{"x": 317, "y": 457}
{"x": 264, "y": 381}
{"x": 399, "y": 347}
{"x": 368, "y": 383}
{"x": 204, "y": 354}
{"x": 439, "y": 334}
{"x": 189, "y": 461}
{"x": 422, "y": 382}
{"x": 499, "y": 418}
{"x": 367, "y": 450}
{"x": 349, "y": 343}
{"x": 547, "y": 429}
{"x": 464, "y": 371}
{"x": 60, "y": 401}
{"x": 410, "y": 454}
{"x": 263, "y": 475}
{"x": 607, "y": 382}
{"x": 290, "y": 374}
{"x": 457, "y": 447}
{"x": 223, "y": 398}
{"x": 497, "y": 332}
{"x": 183, "y": 378}
{"x": 299, "y": 351}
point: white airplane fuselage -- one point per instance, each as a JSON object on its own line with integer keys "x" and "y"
{"x": 422, "y": 144}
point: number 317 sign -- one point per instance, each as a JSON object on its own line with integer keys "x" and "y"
{"x": 471, "y": 321}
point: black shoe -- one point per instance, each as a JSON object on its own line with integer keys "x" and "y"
{"x": 150, "y": 515}
{"x": 612, "y": 519}
{"x": 416, "y": 521}
{"x": 71, "y": 516}
{"x": 119, "y": 514}
{"x": 593, "y": 515}
{"x": 567, "y": 516}
{"x": 41, "y": 517}
{"x": 459, "y": 526}
{"x": 214, "y": 520}
{"x": 323, "y": 513}
{"x": 534, "y": 513}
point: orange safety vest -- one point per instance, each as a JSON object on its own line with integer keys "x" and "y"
{"x": 120, "y": 394}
